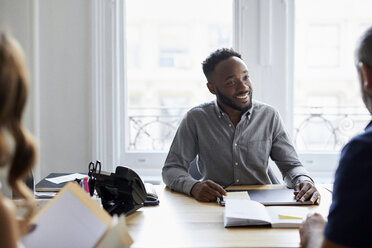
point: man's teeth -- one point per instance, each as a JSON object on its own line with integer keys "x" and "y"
{"x": 242, "y": 96}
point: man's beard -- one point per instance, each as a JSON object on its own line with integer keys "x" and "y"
{"x": 227, "y": 101}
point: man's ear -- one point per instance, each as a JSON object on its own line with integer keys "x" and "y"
{"x": 211, "y": 88}
{"x": 366, "y": 72}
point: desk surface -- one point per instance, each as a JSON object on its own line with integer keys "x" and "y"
{"x": 181, "y": 221}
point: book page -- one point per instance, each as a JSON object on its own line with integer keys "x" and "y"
{"x": 282, "y": 216}
{"x": 244, "y": 212}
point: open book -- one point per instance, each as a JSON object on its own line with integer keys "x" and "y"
{"x": 73, "y": 219}
{"x": 245, "y": 212}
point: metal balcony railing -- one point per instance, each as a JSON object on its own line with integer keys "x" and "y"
{"x": 327, "y": 128}
{"x": 315, "y": 128}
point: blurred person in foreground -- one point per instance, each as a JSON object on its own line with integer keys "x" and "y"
{"x": 17, "y": 150}
{"x": 350, "y": 215}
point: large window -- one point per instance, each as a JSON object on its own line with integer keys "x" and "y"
{"x": 166, "y": 43}
{"x": 328, "y": 109}
{"x": 328, "y": 106}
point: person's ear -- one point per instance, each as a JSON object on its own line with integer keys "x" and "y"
{"x": 211, "y": 88}
{"x": 366, "y": 76}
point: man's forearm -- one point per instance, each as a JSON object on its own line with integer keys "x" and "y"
{"x": 177, "y": 179}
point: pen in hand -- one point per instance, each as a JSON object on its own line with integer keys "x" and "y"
{"x": 220, "y": 199}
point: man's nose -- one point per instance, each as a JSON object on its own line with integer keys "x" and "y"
{"x": 242, "y": 86}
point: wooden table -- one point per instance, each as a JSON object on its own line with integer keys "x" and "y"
{"x": 181, "y": 221}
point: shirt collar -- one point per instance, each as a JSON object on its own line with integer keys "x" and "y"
{"x": 220, "y": 112}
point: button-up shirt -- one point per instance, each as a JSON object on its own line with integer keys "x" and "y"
{"x": 228, "y": 153}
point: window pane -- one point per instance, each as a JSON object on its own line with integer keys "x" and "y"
{"x": 328, "y": 105}
{"x": 166, "y": 43}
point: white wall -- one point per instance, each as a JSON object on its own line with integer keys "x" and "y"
{"x": 56, "y": 35}
{"x": 65, "y": 90}
{"x": 10, "y": 21}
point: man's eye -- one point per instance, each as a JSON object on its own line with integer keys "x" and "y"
{"x": 230, "y": 83}
{"x": 245, "y": 78}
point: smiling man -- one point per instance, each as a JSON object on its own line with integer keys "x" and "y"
{"x": 232, "y": 138}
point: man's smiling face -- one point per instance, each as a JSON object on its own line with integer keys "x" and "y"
{"x": 230, "y": 83}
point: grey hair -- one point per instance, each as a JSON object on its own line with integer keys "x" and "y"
{"x": 363, "y": 52}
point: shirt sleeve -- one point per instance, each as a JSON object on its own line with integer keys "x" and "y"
{"x": 350, "y": 215}
{"x": 285, "y": 156}
{"x": 182, "y": 151}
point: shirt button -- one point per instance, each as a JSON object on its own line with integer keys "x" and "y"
{"x": 236, "y": 163}
{"x": 229, "y": 125}
{"x": 237, "y": 180}
{"x": 223, "y": 114}
{"x": 236, "y": 144}
{"x": 219, "y": 116}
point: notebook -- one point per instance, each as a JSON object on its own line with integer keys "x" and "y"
{"x": 245, "y": 212}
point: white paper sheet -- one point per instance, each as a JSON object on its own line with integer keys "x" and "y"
{"x": 237, "y": 195}
{"x": 67, "y": 178}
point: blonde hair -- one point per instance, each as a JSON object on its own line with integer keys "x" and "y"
{"x": 13, "y": 95}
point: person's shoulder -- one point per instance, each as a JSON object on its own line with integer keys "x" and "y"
{"x": 199, "y": 113}
{"x": 360, "y": 141}
{"x": 204, "y": 108}
{"x": 358, "y": 149}
{"x": 264, "y": 109}
{"x": 261, "y": 106}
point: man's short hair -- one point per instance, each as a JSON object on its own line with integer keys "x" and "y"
{"x": 217, "y": 56}
{"x": 363, "y": 52}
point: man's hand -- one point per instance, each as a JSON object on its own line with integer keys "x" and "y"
{"x": 207, "y": 191}
{"x": 307, "y": 191}
{"x": 311, "y": 231}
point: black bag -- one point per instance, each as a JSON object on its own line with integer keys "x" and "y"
{"x": 121, "y": 192}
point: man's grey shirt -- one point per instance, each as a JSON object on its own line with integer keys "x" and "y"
{"x": 227, "y": 153}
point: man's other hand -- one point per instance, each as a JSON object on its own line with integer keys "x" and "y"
{"x": 311, "y": 231}
{"x": 306, "y": 191}
{"x": 207, "y": 191}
